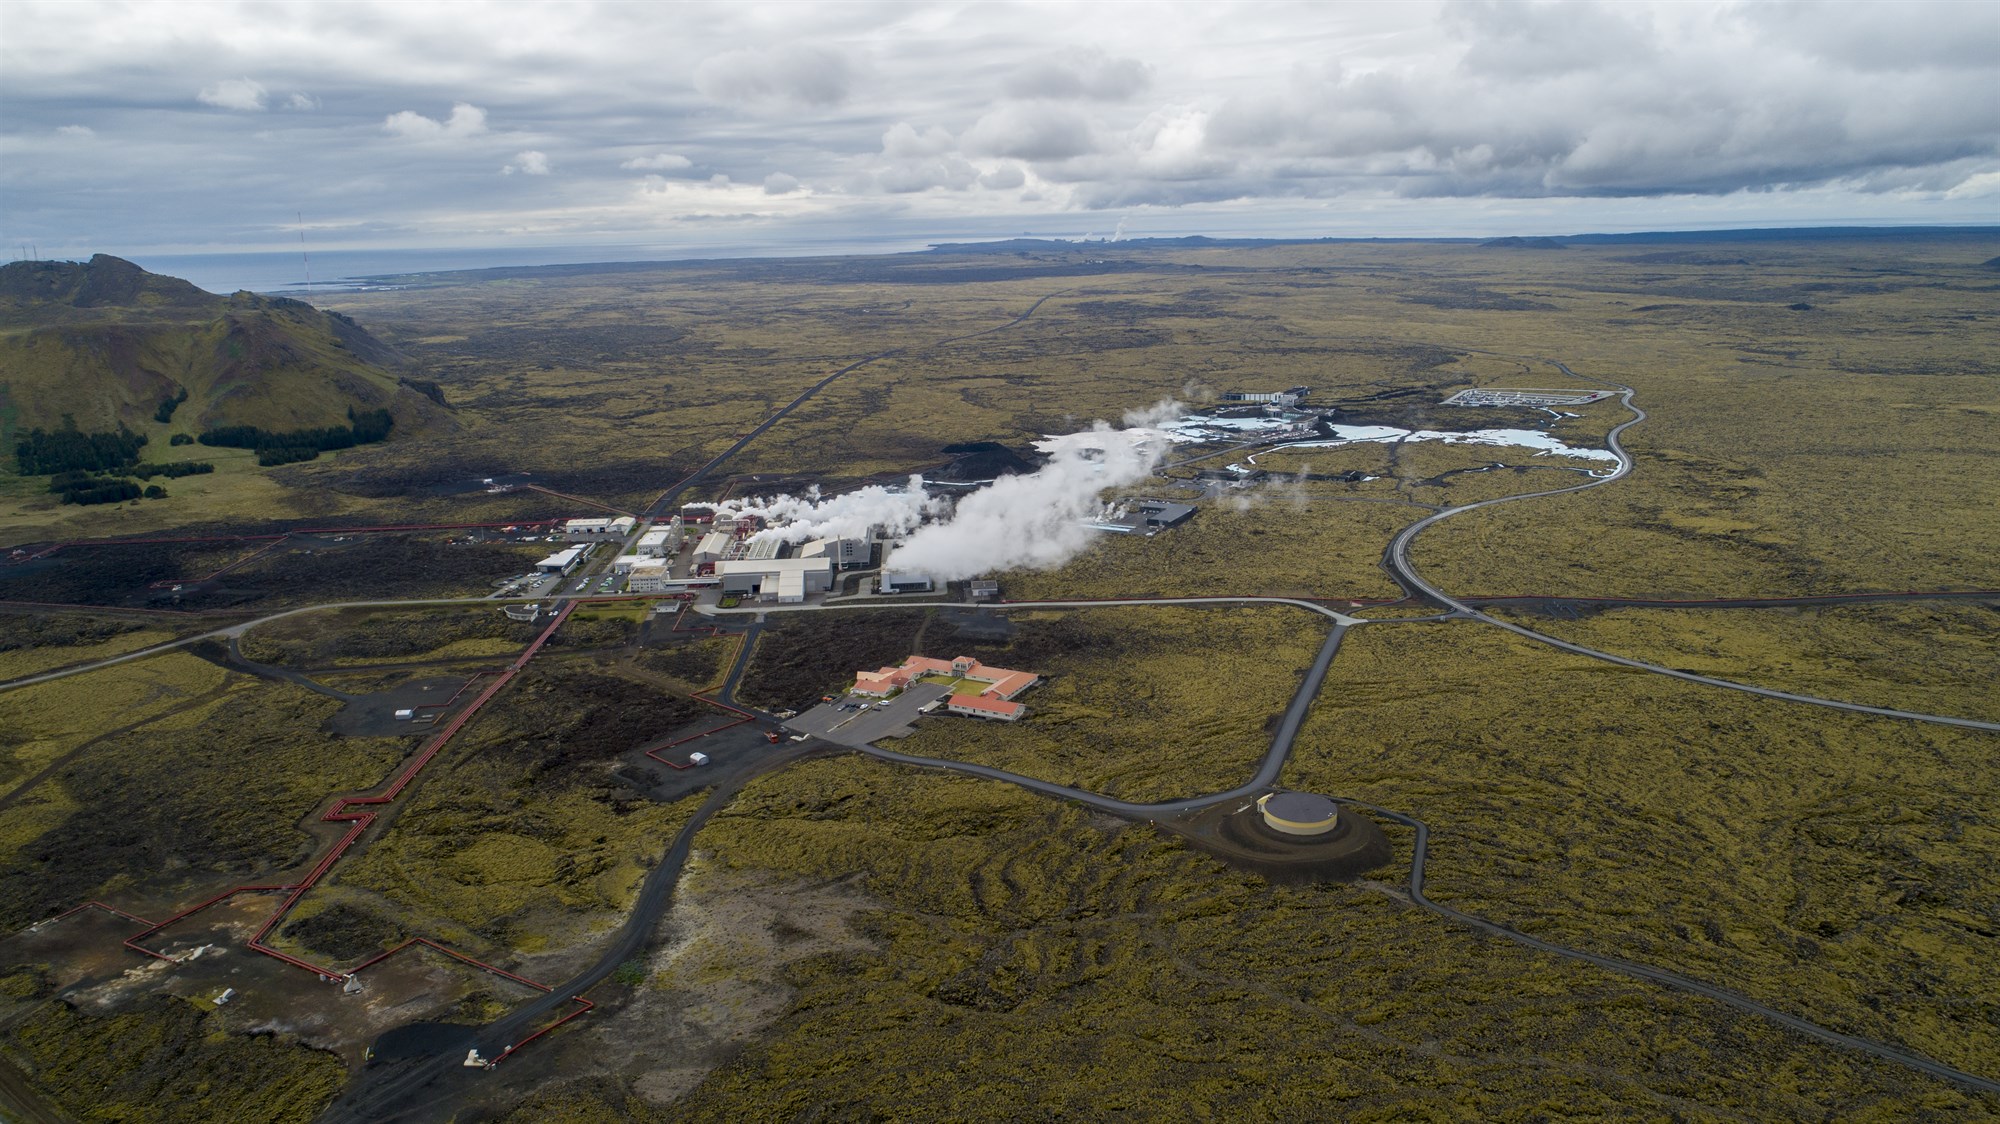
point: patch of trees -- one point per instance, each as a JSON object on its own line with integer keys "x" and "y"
{"x": 171, "y": 471}
{"x": 86, "y": 488}
{"x": 180, "y": 439}
{"x": 168, "y": 405}
{"x": 44, "y": 453}
{"x": 102, "y": 490}
{"x": 288, "y": 446}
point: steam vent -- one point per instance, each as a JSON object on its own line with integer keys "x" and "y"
{"x": 1299, "y": 813}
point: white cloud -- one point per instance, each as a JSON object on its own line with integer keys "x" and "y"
{"x": 80, "y": 132}
{"x": 659, "y": 162}
{"x": 301, "y": 103}
{"x": 529, "y": 163}
{"x": 466, "y": 120}
{"x": 778, "y": 183}
{"x": 233, "y": 93}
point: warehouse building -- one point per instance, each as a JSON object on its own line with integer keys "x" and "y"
{"x": 784, "y": 580}
{"x": 655, "y": 543}
{"x": 596, "y": 530}
{"x": 562, "y": 561}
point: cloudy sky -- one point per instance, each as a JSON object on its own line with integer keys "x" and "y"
{"x": 172, "y": 127}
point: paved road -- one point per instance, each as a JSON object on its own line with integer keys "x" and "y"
{"x": 391, "y": 1093}
{"x": 1660, "y": 975}
{"x": 1397, "y": 559}
{"x": 1266, "y": 775}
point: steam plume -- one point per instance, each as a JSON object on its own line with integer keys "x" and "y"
{"x": 858, "y": 514}
{"x": 1034, "y": 521}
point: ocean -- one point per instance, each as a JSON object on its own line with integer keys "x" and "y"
{"x": 284, "y": 272}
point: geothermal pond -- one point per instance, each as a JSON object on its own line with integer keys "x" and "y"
{"x": 1197, "y": 428}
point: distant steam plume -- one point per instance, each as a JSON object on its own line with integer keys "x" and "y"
{"x": 1034, "y": 521}
{"x": 1031, "y": 520}
{"x": 893, "y": 511}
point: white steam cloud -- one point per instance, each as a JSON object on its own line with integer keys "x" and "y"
{"x": 1034, "y": 521}
{"x": 1029, "y": 521}
{"x": 894, "y": 511}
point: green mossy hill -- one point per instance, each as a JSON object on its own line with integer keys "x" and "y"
{"x": 112, "y": 345}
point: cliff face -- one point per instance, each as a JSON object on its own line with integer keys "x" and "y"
{"x": 107, "y": 343}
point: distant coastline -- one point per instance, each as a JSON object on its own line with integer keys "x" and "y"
{"x": 284, "y": 272}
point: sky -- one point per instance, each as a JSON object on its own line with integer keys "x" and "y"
{"x": 189, "y": 127}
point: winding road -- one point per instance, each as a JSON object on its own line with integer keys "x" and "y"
{"x": 392, "y": 1093}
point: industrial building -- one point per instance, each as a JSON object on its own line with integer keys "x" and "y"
{"x": 1143, "y": 517}
{"x": 784, "y": 580}
{"x": 847, "y": 554}
{"x": 649, "y": 575}
{"x": 713, "y": 547}
{"x": 562, "y": 561}
{"x": 985, "y": 591}
{"x": 661, "y": 541}
{"x": 1286, "y": 398}
{"x": 595, "y": 530}
{"x": 903, "y": 583}
{"x": 995, "y": 701}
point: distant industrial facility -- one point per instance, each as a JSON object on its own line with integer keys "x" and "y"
{"x": 1141, "y": 517}
{"x": 1286, "y": 398}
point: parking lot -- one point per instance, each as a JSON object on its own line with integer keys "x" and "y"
{"x": 845, "y": 720}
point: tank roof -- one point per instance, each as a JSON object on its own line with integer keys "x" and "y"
{"x": 1300, "y": 807}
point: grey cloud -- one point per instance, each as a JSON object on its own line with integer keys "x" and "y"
{"x": 794, "y": 73}
{"x": 955, "y": 116}
{"x": 1031, "y": 131}
{"x": 903, "y": 140}
{"x": 905, "y": 176}
{"x": 1080, "y": 74}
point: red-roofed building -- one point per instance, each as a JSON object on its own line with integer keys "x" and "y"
{"x": 993, "y": 702}
{"x": 985, "y": 706}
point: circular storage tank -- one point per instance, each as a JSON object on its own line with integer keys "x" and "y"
{"x": 1299, "y": 813}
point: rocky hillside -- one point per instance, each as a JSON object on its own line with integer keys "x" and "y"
{"x": 109, "y": 344}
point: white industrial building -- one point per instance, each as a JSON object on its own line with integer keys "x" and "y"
{"x": 714, "y": 547}
{"x": 592, "y": 530}
{"x": 562, "y": 561}
{"x": 785, "y": 580}
{"x": 649, "y": 575}
{"x": 844, "y": 553}
{"x": 653, "y": 544}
